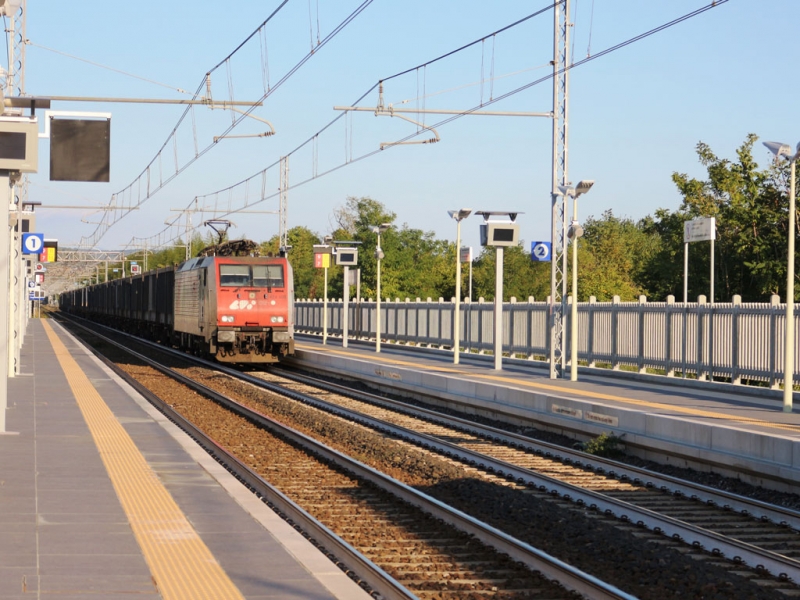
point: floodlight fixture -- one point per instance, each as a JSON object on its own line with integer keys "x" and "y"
{"x": 380, "y": 228}
{"x": 486, "y": 214}
{"x": 584, "y": 185}
{"x": 460, "y": 215}
{"x": 565, "y": 190}
{"x": 9, "y": 7}
{"x": 779, "y": 149}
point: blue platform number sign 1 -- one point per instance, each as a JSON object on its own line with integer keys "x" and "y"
{"x": 540, "y": 251}
{"x": 32, "y": 243}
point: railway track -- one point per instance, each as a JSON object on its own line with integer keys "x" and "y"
{"x": 395, "y": 540}
{"x": 661, "y": 510}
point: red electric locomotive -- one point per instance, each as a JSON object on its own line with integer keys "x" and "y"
{"x": 236, "y": 308}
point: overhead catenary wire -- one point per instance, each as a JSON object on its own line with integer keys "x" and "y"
{"x": 262, "y": 173}
{"x": 92, "y": 240}
{"x": 101, "y": 66}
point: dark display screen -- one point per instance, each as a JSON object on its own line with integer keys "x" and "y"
{"x": 503, "y": 235}
{"x": 12, "y": 145}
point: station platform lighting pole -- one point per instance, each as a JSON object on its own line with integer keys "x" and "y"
{"x": 785, "y": 150}
{"x": 458, "y": 215}
{"x": 378, "y": 229}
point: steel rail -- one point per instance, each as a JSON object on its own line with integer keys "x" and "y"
{"x": 366, "y": 570}
{"x": 667, "y": 483}
{"x": 549, "y": 566}
{"x": 736, "y": 550}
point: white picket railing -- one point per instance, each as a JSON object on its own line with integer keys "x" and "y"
{"x": 734, "y": 341}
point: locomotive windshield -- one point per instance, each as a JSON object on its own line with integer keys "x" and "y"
{"x": 268, "y": 275}
{"x": 251, "y": 275}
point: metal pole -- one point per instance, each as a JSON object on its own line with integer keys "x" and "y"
{"x": 378, "y": 305}
{"x": 685, "y": 303}
{"x": 712, "y": 271}
{"x": 325, "y": 310}
{"x": 685, "y": 272}
{"x": 9, "y": 316}
{"x": 788, "y": 371}
{"x": 5, "y": 194}
{"x": 573, "y": 370}
{"x": 19, "y": 289}
{"x": 457, "y": 314}
{"x": 345, "y": 304}
{"x": 470, "y": 278}
{"x": 498, "y": 311}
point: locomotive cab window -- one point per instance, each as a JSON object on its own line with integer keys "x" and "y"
{"x": 268, "y": 276}
{"x": 234, "y": 275}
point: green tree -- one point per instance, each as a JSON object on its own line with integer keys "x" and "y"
{"x": 522, "y": 277}
{"x": 414, "y": 263}
{"x": 751, "y": 210}
{"x": 612, "y": 258}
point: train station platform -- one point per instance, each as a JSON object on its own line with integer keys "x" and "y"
{"x": 102, "y": 497}
{"x": 734, "y": 430}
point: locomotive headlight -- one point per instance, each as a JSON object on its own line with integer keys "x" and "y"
{"x": 276, "y": 319}
{"x": 227, "y": 318}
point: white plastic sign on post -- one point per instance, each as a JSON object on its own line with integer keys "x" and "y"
{"x": 702, "y": 229}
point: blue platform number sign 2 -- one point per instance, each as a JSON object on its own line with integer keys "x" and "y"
{"x": 540, "y": 251}
{"x": 32, "y": 243}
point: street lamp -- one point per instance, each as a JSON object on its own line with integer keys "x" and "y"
{"x": 458, "y": 215}
{"x": 575, "y": 231}
{"x": 379, "y": 229}
{"x": 779, "y": 150}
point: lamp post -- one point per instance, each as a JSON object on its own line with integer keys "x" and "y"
{"x": 779, "y": 150}
{"x": 458, "y": 215}
{"x": 575, "y": 231}
{"x": 378, "y": 229}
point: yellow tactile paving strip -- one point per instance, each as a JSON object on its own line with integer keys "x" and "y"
{"x": 572, "y": 392}
{"x": 181, "y": 564}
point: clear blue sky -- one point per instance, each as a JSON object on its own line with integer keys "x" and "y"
{"x": 635, "y": 115}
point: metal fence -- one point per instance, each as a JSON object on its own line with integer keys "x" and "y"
{"x": 734, "y": 341}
